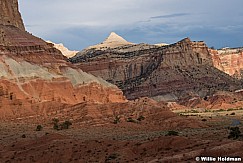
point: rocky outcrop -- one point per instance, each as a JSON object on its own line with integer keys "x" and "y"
{"x": 9, "y": 14}
{"x": 35, "y": 76}
{"x": 229, "y": 61}
{"x": 65, "y": 51}
{"x": 16, "y": 42}
{"x": 30, "y": 89}
{"x": 21, "y": 44}
{"x": 221, "y": 100}
{"x": 166, "y": 73}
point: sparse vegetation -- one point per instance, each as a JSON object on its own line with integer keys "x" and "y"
{"x": 129, "y": 119}
{"x": 39, "y": 128}
{"x": 64, "y": 125}
{"x": 140, "y": 118}
{"x": 234, "y": 133}
{"x": 55, "y": 123}
{"x": 220, "y": 110}
{"x": 172, "y": 133}
{"x": 116, "y": 120}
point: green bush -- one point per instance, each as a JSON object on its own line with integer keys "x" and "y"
{"x": 172, "y": 133}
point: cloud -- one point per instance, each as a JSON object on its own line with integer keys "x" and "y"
{"x": 82, "y": 23}
{"x": 170, "y": 16}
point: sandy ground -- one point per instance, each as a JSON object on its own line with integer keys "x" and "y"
{"x": 125, "y": 142}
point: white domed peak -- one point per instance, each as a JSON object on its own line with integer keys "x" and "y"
{"x": 115, "y": 38}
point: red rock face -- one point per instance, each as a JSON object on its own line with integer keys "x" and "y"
{"x": 20, "y": 44}
{"x": 229, "y": 61}
{"x": 9, "y": 14}
{"x": 166, "y": 73}
{"x": 21, "y": 100}
{"x": 36, "y": 77}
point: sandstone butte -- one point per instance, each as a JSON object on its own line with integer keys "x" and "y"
{"x": 167, "y": 72}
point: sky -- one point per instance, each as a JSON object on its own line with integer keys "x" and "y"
{"x": 81, "y": 23}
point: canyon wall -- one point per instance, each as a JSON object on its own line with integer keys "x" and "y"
{"x": 10, "y": 15}
{"x": 165, "y": 73}
{"x": 229, "y": 61}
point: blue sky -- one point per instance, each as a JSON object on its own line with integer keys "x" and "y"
{"x": 80, "y": 23}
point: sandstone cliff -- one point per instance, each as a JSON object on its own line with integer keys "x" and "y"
{"x": 36, "y": 76}
{"x": 229, "y": 61}
{"x": 9, "y": 14}
{"x": 166, "y": 73}
{"x": 65, "y": 51}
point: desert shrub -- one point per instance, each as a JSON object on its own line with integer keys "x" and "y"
{"x": 39, "y": 128}
{"x": 116, "y": 120}
{"x": 232, "y": 113}
{"x": 55, "y": 120}
{"x": 129, "y": 119}
{"x": 204, "y": 120}
{"x": 65, "y": 125}
{"x": 55, "y": 126}
{"x": 55, "y": 123}
{"x": 23, "y": 136}
{"x": 231, "y": 109}
{"x": 140, "y": 118}
{"x": 172, "y": 133}
{"x": 234, "y": 133}
{"x": 194, "y": 111}
{"x": 221, "y": 110}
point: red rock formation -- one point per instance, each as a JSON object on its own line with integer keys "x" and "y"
{"x": 166, "y": 73}
{"x": 229, "y": 61}
{"x": 219, "y": 100}
{"x": 36, "y": 77}
{"x": 9, "y": 14}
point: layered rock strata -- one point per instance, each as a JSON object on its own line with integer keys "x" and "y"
{"x": 165, "y": 73}
{"x": 36, "y": 76}
{"x": 229, "y": 61}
